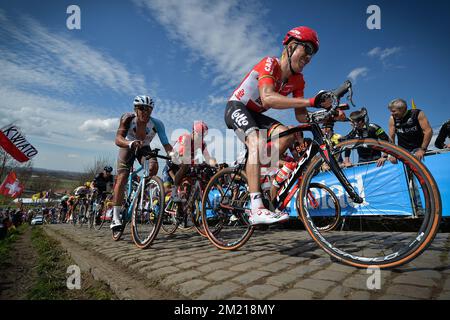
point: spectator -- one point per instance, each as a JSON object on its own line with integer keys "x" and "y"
{"x": 363, "y": 129}
{"x": 16, "y": 218}
{"x": 411, "y": 127}
{"x": 444, "y": 133}
{"x": 328, "y": 131}
{"x": 3, "y": 227}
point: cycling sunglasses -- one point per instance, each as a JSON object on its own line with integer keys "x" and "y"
{"x": 144, "y": 108}
{"x": 309, "y": 48}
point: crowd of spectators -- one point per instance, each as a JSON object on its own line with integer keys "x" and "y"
{"x": 11, "y": 218}
{"x": 408, "y": 128}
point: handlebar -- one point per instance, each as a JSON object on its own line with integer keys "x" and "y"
{"x": 336, "y": 95}
{"x": 150, "y": 153}
{"x": 343, "y": 89}
{"x": 201, "y": 169}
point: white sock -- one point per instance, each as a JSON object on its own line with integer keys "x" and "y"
{"x": 256, "y": 201}
{"x": 116, "y": 213}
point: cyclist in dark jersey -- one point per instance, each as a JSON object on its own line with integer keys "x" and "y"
{"x": 103, "y": 180}
{"x": 363, "y": 129}
{"x": 411, "y": 127}
{"x": 444, "y": 133}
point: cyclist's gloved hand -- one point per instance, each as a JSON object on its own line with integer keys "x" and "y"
{"x": 322, "y": 100}
{"x": 135, "y": 145}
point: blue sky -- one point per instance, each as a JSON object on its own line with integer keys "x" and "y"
{"x": 66, "y": 89}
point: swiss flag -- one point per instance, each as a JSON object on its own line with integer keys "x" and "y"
{"x": 11, "y": 187}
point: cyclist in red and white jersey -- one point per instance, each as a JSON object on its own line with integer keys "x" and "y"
{"x": 184, "y": 154}
{"x": 267, "y": 86}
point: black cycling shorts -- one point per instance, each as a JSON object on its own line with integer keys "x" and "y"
{"x": 244, "y": 121}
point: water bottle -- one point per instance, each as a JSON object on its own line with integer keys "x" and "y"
{"x": 284, "y": 173}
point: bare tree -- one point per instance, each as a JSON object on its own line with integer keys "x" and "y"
{"x": 90, "y": 171}
{"x": 7, "y": 163}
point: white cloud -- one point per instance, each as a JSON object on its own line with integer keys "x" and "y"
{"x": 21, "y": 74}
{"x": 218, "y": 32}
{"x": 217, "y": 100}
{"x": 51, "y": 58}
{"x": 98, "y": 128}
{"x": 382, "y": 54}
{"x": 50, "y": 120}
{"x": 358, "y": 72}
{"x": 41, "y": 89}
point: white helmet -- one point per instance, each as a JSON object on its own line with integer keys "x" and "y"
{"x": 143, "y": 101}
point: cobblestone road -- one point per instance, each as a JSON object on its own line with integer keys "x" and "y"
{"x": 274, "y": 264}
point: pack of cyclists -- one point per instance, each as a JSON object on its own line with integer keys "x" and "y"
{"x": 273, "y": 83}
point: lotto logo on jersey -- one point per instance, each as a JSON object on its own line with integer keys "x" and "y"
{"x": 240, "y": 94}
{"x": 268, "y": 66}
{"x": 239, "y": 118}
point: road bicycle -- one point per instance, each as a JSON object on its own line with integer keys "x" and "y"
{"x": 143, "y": 202}
{"x": 79, "y": 210}
{"x": 383, "y": 225}
{"x": 104, "y": 213}
{"x": 185, "y": 215}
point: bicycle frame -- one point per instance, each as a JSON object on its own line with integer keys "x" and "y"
{"x": 319, "y": 144}
{"x": 197, "y": 187}
{"x": 132, "y": 194}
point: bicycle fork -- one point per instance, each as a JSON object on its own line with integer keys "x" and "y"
{"x": 325, "y": 151}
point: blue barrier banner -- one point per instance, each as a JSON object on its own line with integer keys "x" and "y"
{"x": 439, "y": 166}
{"x": 375, "y": 186}
{"x": 379, "y": 188}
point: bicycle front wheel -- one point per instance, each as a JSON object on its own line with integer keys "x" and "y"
{"x": 81, "y": 215}
{"x": 399, "y": 216}
{"x": 147, "y": 213}
{"x": 224, "y": 205}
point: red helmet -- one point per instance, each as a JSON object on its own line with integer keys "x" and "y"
{"x": 303, "y": 34}
{"x": 199, "y": 127}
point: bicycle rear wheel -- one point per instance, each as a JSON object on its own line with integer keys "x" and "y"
{"x": 224, "y": 205}
{"x": 146, "y": 215}
{"x": 400, "y": 214}
{"x": 118, "y": 232}
{"x": 196, "y": 215}
{"x": 185, "y": 220}
{"x": 325, "y": 204}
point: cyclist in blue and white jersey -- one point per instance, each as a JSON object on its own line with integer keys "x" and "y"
{"x": 136, "y": 131}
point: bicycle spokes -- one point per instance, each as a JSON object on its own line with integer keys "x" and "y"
{"x": 397, "y": 214}
{"x": 224, "y": 210}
